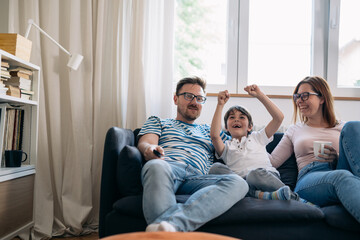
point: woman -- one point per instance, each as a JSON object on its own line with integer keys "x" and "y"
{"x": 317, "y": 181}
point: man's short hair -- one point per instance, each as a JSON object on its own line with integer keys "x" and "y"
{"x": 190, "y": 80}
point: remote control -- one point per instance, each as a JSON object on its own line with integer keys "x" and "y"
{"x": 157, "y": 153}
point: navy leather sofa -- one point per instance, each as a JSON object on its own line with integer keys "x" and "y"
{"x": 250, "y": 218}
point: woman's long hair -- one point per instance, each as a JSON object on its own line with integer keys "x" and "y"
{"x": 321, "y": 87}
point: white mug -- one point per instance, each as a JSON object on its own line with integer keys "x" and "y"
{"x": 319, "y": 148}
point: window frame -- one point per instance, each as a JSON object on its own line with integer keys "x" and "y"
{"x": 324, "y": 57}
{"x": 333, "y": 53}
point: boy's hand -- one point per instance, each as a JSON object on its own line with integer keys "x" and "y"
{"x": 253, "y": 90}
{"x": 223, "y": 97}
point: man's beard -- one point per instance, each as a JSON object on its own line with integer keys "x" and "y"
{"x": 189, "y": 117}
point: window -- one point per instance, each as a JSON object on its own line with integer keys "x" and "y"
{"x": 279, "y": 42}
{"x": 349, "y": 44}
{"x": 200, "y": 42}
{"x": 273, "y": 43}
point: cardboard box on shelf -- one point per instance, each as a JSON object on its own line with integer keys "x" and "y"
{"x": 16, "y": 45}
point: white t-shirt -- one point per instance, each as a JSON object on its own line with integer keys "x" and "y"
{"x": 248, "y": 154}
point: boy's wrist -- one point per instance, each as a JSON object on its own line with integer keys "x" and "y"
{"x": 261, "y": 95}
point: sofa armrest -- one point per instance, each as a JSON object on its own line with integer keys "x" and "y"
{"x": 116, "y": 139}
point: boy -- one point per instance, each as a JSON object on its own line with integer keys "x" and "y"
{"x": 245, "y": 154}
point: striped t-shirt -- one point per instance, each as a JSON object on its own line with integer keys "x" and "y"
{"x": 189, "y": 143}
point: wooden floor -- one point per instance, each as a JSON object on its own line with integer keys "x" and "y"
{"x": 93, "y": 236}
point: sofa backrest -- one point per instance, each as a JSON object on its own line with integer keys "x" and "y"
{"x": 288, "y": 170}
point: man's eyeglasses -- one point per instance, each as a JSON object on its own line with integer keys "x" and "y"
{"x": 304, "y": 96}
{"x": 189, "y": 97}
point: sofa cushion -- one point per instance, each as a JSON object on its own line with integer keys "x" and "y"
{"x": 334, "y": 213}
{"x": 289, "y": 172}
{"x": 255, "y": 210}
{"x": 247, "y": 210}
{"x": 129, "y": 171}
{"x": 132, "y": 205}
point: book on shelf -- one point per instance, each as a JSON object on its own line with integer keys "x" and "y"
{"x": 11, "y": 128}
{"x": 20, "y": 72}
{"x": 20, "y": 82}
{"x": 5, "y": 64}
{"x": 24, "y": 91}
{"x": 2, "y": 131}
{"x": 13, "y": 91}
{"x": 3, "y": 79}
{"x": 26, "y": 94}
{"x": 3, "y": 90}
{"x": 5, "y": 73}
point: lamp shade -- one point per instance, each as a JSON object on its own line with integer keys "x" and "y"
{"x": 75, "y": 61}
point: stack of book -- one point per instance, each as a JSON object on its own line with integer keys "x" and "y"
{"x": 21, "y": 79}
{"x": 4, "y": 76}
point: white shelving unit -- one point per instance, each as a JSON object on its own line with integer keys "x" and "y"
{"x": 17, "y": 184}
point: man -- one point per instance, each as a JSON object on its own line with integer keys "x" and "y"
{"x": 178, "y": 154}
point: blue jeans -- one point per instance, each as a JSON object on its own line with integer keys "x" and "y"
{"x": 211, "y": 195}
{"x": 322, "y": 186}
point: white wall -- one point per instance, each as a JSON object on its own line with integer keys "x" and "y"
{"x": 345, "y": 110}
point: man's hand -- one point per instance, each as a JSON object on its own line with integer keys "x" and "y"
{"x": 223, "y": 97}
{"x": 153, "y": 152}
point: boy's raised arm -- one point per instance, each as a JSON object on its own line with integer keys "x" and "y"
{"x": 215, "y": 129}
{"x": 270, "y": 106}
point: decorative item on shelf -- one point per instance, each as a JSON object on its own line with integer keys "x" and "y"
{"x": 75, "y": 59}
{"x": 16, "y": 45}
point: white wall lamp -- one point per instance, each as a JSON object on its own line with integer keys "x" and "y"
{"x": 75, "y": 59}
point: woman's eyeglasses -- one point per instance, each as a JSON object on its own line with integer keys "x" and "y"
{"x": 304, "y": 96}
{"x": 189, "y": 97}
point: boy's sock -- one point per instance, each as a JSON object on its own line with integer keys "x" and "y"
{"x": 296, "y": 197}
{"x": 160, "y": 227}
{"x": 283, "y": 193}
{"x": 307, "y": 202}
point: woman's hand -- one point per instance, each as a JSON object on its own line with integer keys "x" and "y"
{"x": 330, "y": 155}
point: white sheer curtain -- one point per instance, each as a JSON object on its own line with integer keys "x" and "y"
{"x": 125, "y": 77}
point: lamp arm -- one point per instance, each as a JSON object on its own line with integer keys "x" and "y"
{"x": 31, "y": 22}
